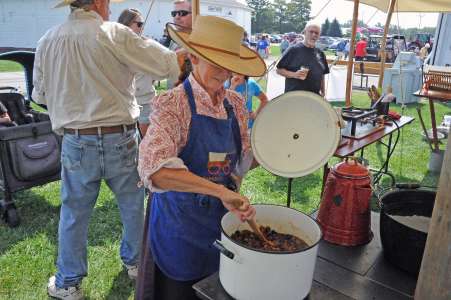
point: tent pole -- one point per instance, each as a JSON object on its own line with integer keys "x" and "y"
{"x": 351, "y": 53}
{"x": 384, "y": 43}
{"x": 195, "y": 8}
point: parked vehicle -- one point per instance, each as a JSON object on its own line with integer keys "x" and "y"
{"x": 394, "y": 45}
{"x": 334, "y": 45}
{"x": 420, "y": 40}
{"x": 324, "y": 42}
{"x": 275, "y": 38}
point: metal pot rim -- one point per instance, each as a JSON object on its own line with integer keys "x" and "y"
{"x": 278, "y": 252}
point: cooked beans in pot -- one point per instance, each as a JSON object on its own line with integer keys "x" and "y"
{"x": 280, "y": 242}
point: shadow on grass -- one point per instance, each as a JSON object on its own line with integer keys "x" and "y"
{"x": 430, "y": 179}
{"x": 121, "y": 288}
{"x": 39, "y": 217}
{"x": 298, "y": 186}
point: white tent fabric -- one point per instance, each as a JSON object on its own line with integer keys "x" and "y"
{"x": 411, "y": 5}
{"x": 275, "y": 85}
{"x": 335, "y": 81}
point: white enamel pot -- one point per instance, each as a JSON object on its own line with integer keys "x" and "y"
{"x": 249, "y": 274}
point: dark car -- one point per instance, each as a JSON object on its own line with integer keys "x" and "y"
{"x": 394, "y": 45}
{"x": 420, "y": 40}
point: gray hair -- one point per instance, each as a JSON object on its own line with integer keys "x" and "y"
{"x": 83, "y": 4}
{"x": 312, "y": 24}
{"x": 128, "y": 15}
{"x": 181, "y": 1}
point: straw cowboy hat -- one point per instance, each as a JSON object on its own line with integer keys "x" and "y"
{"x": 68, "y": 2}
{"x": 218, "y": 41}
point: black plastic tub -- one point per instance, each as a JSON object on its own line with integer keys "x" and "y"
{"x": 402, "y": 244}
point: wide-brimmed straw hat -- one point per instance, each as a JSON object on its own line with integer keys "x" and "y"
{"x": 68, "y": 2}
{"x": 218, "y": 41}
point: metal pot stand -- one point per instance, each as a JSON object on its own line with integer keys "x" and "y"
{"x": 294, "y": 135}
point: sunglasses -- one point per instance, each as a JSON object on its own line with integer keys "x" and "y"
{"x": 181, "y": 13}
{"x": 139, "y": 24}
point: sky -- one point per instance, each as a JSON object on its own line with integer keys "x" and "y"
{"x": 343, "y": 10}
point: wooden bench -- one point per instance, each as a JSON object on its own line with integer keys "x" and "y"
{"x": 364, "y": 69}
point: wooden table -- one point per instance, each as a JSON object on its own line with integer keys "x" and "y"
{"x": 359, "y": 272}
{"x": 432, "y": 96}
{"x": 351, "y": 146}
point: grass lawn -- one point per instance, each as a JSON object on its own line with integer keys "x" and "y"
{"x": 28, "y": 253}
{"x": 10, "y": 66}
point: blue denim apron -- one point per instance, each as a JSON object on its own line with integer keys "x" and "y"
{"x": 183, "y": 225}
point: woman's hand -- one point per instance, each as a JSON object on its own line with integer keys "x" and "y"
{"x": 235, "y": 81}
{"x": 237, "y": 204}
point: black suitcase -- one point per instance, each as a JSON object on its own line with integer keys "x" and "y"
{"x": 29, "y": 150}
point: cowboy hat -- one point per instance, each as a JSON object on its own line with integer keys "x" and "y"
{"x": 218, "y": 41}
{"x": 69, "y": 2}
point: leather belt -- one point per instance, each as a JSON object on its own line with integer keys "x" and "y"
{"x": 100, "y": 130}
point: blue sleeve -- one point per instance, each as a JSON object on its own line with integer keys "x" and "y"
{"x": 227, "y": 84}
{"x": 255, "y": 88}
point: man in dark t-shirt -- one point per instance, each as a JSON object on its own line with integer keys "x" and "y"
{"x": 303, "y": 65}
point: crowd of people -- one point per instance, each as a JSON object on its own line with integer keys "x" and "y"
{"x": 95, "y": 77}
{"x": 188, "y": 147}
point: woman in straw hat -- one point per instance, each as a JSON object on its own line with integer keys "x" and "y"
{"x": 196, "y": 143}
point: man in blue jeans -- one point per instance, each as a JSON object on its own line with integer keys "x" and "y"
{"x": 83, "y": 72}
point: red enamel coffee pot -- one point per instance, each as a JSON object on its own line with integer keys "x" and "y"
{"x": 344, "y": 214}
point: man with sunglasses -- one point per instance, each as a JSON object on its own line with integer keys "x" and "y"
{"x": 182, "y": 17}
{"x": 182, "y": 13}
{"x": 83, "y": 72}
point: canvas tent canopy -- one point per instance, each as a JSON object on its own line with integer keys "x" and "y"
{"x": 432, "y": 6}
{"x": 389, "y": 6}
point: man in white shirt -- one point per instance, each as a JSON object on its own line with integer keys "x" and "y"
{"x": 83, "y": 72}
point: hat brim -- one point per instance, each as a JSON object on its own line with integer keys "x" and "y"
{"x": 66, "y": 3}
{"x": 248, "y": 63}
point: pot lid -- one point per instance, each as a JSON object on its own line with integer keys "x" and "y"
{"x": 295, "y": 134}
{"x": 351, "y": 168}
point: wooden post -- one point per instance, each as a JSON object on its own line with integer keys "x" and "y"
{"x": 434, "y": 281}
{"x": 384, "y": 43}
{"x": 195, "y": 9}
{"x": 351, "y": 53}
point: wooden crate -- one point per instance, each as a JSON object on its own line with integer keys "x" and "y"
{"x": 437, "y": 80}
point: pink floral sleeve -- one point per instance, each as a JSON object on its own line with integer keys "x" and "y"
{"x": 170, "y": 123}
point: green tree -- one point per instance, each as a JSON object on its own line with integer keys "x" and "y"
{"x": 280, "y": 11}
{"x": 335, "y": 29}
{"x": 360, "y": 23}
{"x": 298, "y": 13}
{"x": 260, "y": 14}
{"x": 325, "y": 27}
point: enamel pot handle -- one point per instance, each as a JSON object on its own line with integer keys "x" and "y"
{"x": 218, "y": 245}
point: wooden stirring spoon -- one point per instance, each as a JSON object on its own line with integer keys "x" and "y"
{"x": 256, "y": 229}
